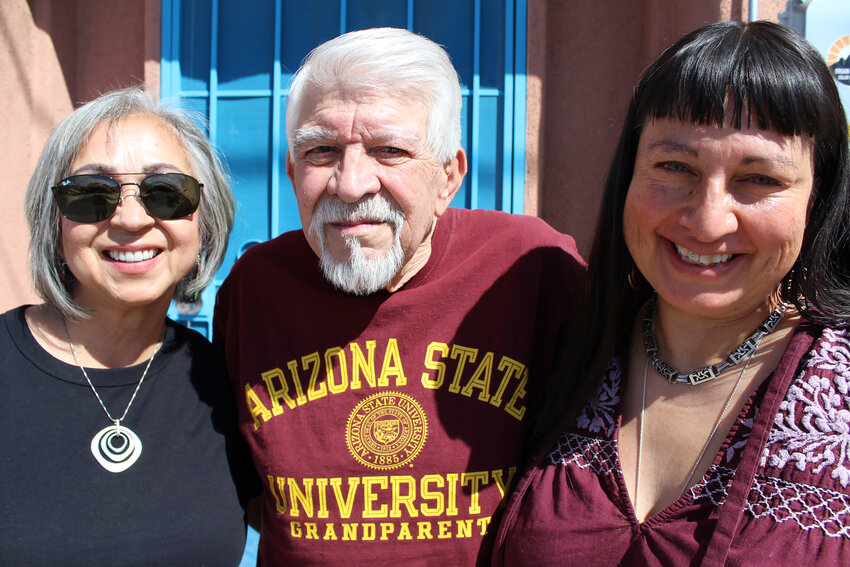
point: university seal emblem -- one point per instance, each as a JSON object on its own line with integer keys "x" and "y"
{"x": 386, "y": 430}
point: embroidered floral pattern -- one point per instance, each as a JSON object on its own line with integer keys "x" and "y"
{"x": 833, "y": 353}
{"x": 812, "y": 428}
{"x": 736, "y": 446}
{"x": 598, "y": 419}
{"x": 714, "y": 485}
{"x": 811, "y": 432}
{"x": 600, "y": 413}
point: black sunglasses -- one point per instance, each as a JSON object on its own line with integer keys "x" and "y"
{"x": 94, "y": 197}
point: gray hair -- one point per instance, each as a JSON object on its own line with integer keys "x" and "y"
{"x": 386, "y": 62}
{"x": 49, "y": 272}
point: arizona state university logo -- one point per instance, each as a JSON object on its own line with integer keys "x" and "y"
{"x": 386, "y": 430}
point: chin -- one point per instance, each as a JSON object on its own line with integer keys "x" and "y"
{"x": 713, "y": 304}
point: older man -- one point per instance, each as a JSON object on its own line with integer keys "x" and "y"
{"x": 386, "y": 357}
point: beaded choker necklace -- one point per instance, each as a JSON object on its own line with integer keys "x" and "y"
{"x": 672, "y": 374}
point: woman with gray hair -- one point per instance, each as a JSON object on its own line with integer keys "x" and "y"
{"x": 119, "y": 443}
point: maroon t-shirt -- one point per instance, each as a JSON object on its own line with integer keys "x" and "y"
{"x": 388, "y": 428}
{"x": 777, "y": 493}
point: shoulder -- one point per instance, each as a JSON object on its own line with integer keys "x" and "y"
{"x": 812, "y": 419}
{"x": 15, "y": 314}
{"x": 284, "y": 260}
{"x": 485, "y": 228}
{"x": 829, "y": 355}
{"x": 181, "y": 338}
{"x": 493, "y": 222}
{"x": 14, "y": 322}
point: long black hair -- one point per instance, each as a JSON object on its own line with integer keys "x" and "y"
{"x": 761, "y": 74}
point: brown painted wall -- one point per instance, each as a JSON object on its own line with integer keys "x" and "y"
{"x": 55, "y": 54}
{"x": 584, "y": 58}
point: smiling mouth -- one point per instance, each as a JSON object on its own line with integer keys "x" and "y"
{"x": 137, "y": 256}
{"x": 692, "y": 257}
{"x": 354, "y": 221}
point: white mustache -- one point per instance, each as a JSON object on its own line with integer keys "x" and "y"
{"x": 375, "y": 208}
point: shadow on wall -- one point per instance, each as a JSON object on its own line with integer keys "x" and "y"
{"x": 100, "y": 46}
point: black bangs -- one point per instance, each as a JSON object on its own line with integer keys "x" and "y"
{"x": 728, "y": 74}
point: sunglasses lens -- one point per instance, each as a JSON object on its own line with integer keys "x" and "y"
{"x": 93, "y": 198}
{"x": 86, "y": 198}
{"x": 170, "y": 196}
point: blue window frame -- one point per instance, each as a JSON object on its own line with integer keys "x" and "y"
{"x": 231, "y": 61}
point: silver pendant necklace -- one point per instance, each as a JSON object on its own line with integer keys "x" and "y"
{"x": 116, "y": 447}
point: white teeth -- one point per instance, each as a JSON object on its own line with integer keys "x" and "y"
{"x": 692, "y": 257}
{"x": 137, "y": 256}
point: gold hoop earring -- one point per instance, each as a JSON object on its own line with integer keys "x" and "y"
{"x": 634, "y": 277}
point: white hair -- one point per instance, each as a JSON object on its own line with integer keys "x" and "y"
{"x": 387, "y": 62}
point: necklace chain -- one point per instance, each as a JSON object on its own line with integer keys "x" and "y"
{"x": 748, "y": 348}
{"x": 672, "y": 374}
{"x": 707, "y": 442}
{"x": 118, "y": 421}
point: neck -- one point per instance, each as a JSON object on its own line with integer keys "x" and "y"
{"x": 415, "y": 263}
{"x": 689, "y": 342}
{"x": 104, "y": 340}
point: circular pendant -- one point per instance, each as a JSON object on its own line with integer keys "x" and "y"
{"x": 116, "y": 448}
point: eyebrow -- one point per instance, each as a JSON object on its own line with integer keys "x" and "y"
{"x": 672, "y": 146}
{"x": 105, "y": 169}
{"x": 318, "y": 134}
{"x": 391, "y": 134}
{"x": 777, "y": 159}
{"x": 306, "y": 136}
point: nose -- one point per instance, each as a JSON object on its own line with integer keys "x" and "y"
{"x": 710, "y": 212}
{"x": 130, "y": 214}
{"x": 355, "y": 175}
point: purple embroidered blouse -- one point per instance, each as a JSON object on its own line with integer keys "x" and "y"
{"x": 778, "y": 490}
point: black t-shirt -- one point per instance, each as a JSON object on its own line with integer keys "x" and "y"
{"x": 177, "y": 505}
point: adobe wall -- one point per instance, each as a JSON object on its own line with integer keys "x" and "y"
{"x": 53, "y": 55}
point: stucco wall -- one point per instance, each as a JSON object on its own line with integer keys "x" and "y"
{"x": 584, "y": 58}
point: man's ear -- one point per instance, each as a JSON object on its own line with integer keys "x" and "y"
{"x": 290, "y": 168}
{"x": 455, "y": 172}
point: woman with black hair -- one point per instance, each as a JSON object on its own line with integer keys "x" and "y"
{"x": 703, "y": 415}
